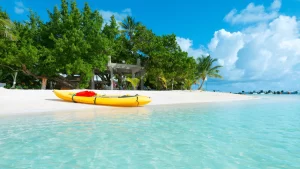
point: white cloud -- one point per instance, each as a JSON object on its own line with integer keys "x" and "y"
{"x": 119, "y": 16}
{"x": 261, "y": 56}
{"x": 254, "y": 13}
{"x": 127, "y": 10}
{"x": 19, "y": 10}
{"x": 276, "y": 5}
{"x": 263, "y": 53}
{"x": 20, "y": 7}
{"x": 186, "y": 45}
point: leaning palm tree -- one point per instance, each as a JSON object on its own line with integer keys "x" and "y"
{"x": 206, "y": 69}
{"x": 129, "y": 25}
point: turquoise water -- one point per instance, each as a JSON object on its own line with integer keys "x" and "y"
{"x": 262, "y": 133}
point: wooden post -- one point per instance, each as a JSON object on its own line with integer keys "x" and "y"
{"x": 138, "y": 62}
{"x": 109, "y": 59}
{"x": 44, "y": 83}
{"x": 111, "y": 79}
{"x": 142, "y": 81}
{"x": 133, "y": 74}
{"x": 92, "y": 80}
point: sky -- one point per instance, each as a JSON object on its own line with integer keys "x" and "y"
{"x": 256, "y": 41}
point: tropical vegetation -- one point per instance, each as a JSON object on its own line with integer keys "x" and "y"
{"x": 206, "y": 68}
{"x": 77, "y": 42}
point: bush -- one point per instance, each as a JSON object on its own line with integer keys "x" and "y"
{"x": 7, "y": 86}
{"x": 19, "y": 87}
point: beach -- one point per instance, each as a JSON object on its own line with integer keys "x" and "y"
{"x": 38, "y": 101}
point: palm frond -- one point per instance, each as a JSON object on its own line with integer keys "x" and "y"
{"x": 6, "y": 29}
{"x": 163, "y": 81}
{"x": 129, "y": 25}
{"x": 206, "y": 69}
{"x": 133, "y": 81}
{"x": 215, "y": 68}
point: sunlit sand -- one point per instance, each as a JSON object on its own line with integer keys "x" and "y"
{"x": 37, "y": 101}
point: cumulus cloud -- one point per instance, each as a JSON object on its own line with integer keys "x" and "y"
{"x": 186, "y": 45}
{"x": 20, "y": 7}
{"x": 119, "y": 16}
{"x": 261, "y": 56}
{"x": 254, "y": 13}
{"x": 267, "y": 53}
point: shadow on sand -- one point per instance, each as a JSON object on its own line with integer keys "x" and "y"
{"x": 56, "y": 100}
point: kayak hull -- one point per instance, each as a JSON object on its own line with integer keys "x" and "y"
{"x": 106, "y": 100}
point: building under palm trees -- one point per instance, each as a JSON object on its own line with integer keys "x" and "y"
{"x": 120, "y": 69}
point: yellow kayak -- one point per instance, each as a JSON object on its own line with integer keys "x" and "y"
{"x": 107, "y": 100}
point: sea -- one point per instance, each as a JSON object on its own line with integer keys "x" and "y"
{"x": 261, "y": 133}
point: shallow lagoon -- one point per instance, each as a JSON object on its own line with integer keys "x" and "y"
{"x": 262, "y": 133}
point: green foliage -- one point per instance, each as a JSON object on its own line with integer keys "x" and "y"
{"x": 188, "y": 83}
{"x": 162, "y": 56}
{"x": 130, "y": 26}
{"x": 112, "y": 30}
{"x": 75, "y": 42}
{"x": 163, "y": 81}
{"x": 3, "y": 14}
{"x": 6, "y": 26}
{"x": 206, "y": 68}
{"x": 133, "y": 81}
{"x": 23, "y": 81}
{"x": 7, "y": 86}
{"x": 3, "y": 75}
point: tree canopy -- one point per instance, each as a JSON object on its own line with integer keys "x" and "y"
{"x": 77, "y": 41}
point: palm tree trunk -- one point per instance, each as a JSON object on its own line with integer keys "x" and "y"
{"x": 201, "y": 84}
{"x": 15, "y": 80}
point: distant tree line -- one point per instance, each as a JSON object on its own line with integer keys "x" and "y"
{"x": 269, "y": 92}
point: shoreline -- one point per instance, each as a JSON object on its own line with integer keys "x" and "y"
{"x": 14, "y": 102}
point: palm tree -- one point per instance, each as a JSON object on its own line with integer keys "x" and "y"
{"x": 129, "y": 25}
{"x": 206, "y": 69}
{"x": 188, "y": 83}
{"x": 6, "y": 28}
{"x": 163, "y": 81}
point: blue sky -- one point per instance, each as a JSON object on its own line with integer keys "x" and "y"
{"x": 256, "y": 41}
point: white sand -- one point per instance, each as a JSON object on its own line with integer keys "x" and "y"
{"x": 30, "y": 101}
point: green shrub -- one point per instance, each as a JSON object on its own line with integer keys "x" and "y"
{"x": 7, "y": 86}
